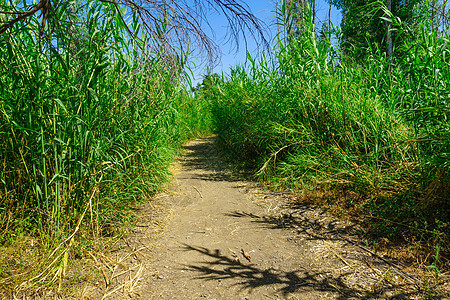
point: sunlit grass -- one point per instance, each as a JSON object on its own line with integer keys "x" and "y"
{"x": 89, "y": 124}
{"x": 377, "y": 130}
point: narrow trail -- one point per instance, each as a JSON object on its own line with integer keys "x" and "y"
{"x": 194, "y": 248}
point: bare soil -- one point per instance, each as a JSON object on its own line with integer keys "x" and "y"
{"x": 211, "y": 235}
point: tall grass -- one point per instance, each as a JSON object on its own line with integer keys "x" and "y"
{"x": 372, "y": 137}
{"x": 89, "y": 122}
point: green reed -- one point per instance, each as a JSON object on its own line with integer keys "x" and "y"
{"x": 315, "y": 120}
{"x": 89, "y": 122}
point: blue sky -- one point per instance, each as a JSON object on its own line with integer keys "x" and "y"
{"x": 264, "y": 10}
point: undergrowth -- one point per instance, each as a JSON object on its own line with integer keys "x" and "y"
{"x": 366, "y": 138}
{"x": 89, "y": 123}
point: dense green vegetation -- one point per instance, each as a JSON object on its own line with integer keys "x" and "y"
{"x": 91, "y": 117}
{"x": 89, "y": 122}
{"x": 371, "y": 136}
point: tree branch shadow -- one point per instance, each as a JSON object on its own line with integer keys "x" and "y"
{"x": 319, "y": 228}
{"x": 250, "y": 276}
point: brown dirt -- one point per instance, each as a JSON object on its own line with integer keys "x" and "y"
{"x": 187, "y": 245}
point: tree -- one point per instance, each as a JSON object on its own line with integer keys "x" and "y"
{"x": 297, "y": 17}
{"x": 174, "y": 26}
{"x": 364, "y": 25}
{"x": 297, "y": 11}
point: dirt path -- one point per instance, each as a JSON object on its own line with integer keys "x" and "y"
{"x": 193, "y": 250}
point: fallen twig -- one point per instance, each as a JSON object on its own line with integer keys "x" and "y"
{"x": 246, "y": 255}
{"x": 282, "y": 193}
{"x": 236, "y": 258}
{"x": 201, "y": 196}
{"x": 342, "y": 259}
{"x": 397, "y": 269}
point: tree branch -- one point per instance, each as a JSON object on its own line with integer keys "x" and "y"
{"x": 21, "y": 16}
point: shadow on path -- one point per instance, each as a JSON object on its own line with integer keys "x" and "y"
{"x": 249, "y": 276}
{"x": 205, "y": 157}
{"x": 319, "y": 227}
